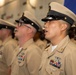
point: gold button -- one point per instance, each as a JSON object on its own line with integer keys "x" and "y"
{"x": 65, "y": 18}
{"x": 32, "y": 23}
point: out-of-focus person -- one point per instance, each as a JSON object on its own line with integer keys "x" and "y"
{"x": 8, "y": 44}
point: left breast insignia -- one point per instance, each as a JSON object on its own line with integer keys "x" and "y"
{"x": 21, "y": 57}
{"x": 55, "y": 62}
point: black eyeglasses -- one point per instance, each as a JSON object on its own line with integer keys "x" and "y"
{"x": 22, "y": 24}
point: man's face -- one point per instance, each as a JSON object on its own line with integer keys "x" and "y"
{"x": 3, "y": 33}
{"x": 21, "y": 30}
{"x": 52, "y": 29}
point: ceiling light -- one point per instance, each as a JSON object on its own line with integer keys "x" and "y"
{"x": 33, "y": 3}
{"x": 2, "y": 2}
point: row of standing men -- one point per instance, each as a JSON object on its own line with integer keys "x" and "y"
{"x": 22, "y": 56}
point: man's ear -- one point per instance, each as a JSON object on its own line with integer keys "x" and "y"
{"x": 30, "y": 30}
{"x": 64, "y": 26}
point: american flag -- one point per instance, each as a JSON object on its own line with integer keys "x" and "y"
{"x": 71, "y": 4}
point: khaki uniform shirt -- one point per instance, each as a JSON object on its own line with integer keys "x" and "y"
{"x": 62, "y": 61}
{"x": 26, "y": 59}
{"x": 42, "y": 44}
{"x": 6, "y": 54}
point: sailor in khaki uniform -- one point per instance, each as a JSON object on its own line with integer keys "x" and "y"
{"x": 60, "y": 57}
{"x": 7, "y": 47}
{"x": 27, "y": 57}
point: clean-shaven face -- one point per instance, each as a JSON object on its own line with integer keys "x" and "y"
{"x": 52, "y": 29}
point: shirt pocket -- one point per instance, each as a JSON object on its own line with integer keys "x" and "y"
{"x": 51, "y": 70}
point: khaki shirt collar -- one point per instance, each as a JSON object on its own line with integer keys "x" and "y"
{"x": 60, "y": 47}
{"x": 29, "y": 42}
{"x": 24, "y": 47}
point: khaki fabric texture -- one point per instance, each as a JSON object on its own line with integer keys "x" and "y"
{"x": 27, "y": 59}
{"x": 6, "y": 54}
{"x": 64, "y": 54}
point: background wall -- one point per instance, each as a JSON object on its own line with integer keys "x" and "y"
{"x": 14, "y": 9}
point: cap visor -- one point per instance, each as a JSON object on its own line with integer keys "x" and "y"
{"x": 44, "y": 19}
{"x": 17, "y": 21}
{"x": 47, "y": 19}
